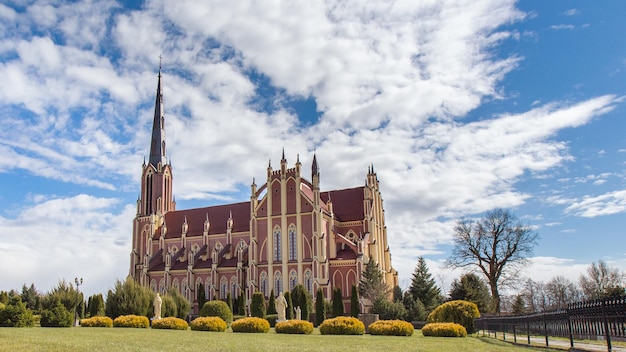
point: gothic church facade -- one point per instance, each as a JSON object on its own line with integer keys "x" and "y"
{"x": 290, "y": 232}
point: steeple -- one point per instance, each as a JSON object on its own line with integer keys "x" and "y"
{"x": 157, "y": 145}
{"x": 314, "y": 169}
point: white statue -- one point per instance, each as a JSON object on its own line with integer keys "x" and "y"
{"x": 281, "y": 305}
{"x": 157, "y": 306}
{"x": 298, "y": 313}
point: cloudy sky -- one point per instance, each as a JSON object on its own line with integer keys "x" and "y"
{"x": 462, "y": 107}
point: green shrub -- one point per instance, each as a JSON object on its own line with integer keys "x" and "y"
{"x": 460, "y": 312}
{"x": 294, "y": 327}
{"x": 252, "y": 324}
{"x": 391, "y": 328}
{"x": 131, "y": 321}
{"x": 97, "y": 322}
{"x": 15, "y": 314}
{"x": 2, "y": 305}
{"x": 171, "y": 323}
{"x": 320, "y": 312}
{"x": 444, "y": 330}
{"x": 388, "y": 310}
{"x": 208, "y": 324}
{"x": 337, "y": 302}
{"x": 257, "y": 306}
{"x": 271, "y": 318}
{"x": 129, "y": 298}
{"x": 217, "y": 308}
{"x": 57, "y": 316}
{"x": 342, "y": 326}
{"x": 95, "y": 305}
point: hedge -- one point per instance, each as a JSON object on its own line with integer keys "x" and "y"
{"x": 252, "y": 324}
{"x": 391, "y": 328}
{"x": 208, "y": 324}
{"x": 342, "y": 326}
{"x": 171, "y": 323}
{"x": 217, "y": 308}
{"x": 131, "y": 321}
{"x": 294, "y": 327}
{"x": 444, "y": 330}
{"x": 458, "y": 311}
{"x": 97, "y": 322}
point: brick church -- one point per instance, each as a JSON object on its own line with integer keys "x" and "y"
{"x": 290, "y": 232}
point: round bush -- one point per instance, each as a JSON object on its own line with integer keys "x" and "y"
{"x": 271, "y": 318}
{"x": 294, "y": 327}
{"x": 444, "y": 330}
{"x": 459, "y": 311}
{"x": 252, "y": 324}
{"x": 208, "y": 324}
{"x": 217, "y": 308}
{"x": 97, "y": 322}
{"x": 342, "y": 326}
{"x": 391, "y": 328}
{"x": 171, "y": 323}
{"x": 131, "y": 321}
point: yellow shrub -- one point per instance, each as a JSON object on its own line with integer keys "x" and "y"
{"x": 251, "y": 324}
{"x": 444, "y": 330}
{"x": 99, "y": 322}
{"x": 458, "y": 311}
{"x": 171, "y": 323}
{"x": 294, "y": 327}
{"x": 391, "y": 328}
{"x": 342, "y": 326}
{"x": 208, "y": 324}
{"x": 131, "y": 321}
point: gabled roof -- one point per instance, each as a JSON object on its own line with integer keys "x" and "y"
{"x": 347, "y": 203}
{"x": 218, "y": 215}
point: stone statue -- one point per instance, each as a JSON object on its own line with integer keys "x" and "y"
{"x": 157, "y": 306}
{"x": 281, "y": 305}
{"x": 298, "y": 313}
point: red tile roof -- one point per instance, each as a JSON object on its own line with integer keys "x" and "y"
{"x": 218, "y": 215}
{"x": 347, "y": 203}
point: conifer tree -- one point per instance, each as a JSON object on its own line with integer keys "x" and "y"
{"x": 271, "y": 306}
{"x": 337, "y": 302}
{"x": 423, "y": 286}
{"x": 289, "y": 309}
{"x": 201, "y": 295}
{"x": 320, "y": 313}
{"x": 257, "y": 306}
{"x": 354, "y": 302}
{"x": 371, "y": 285}
{"x": 241, "y": 304}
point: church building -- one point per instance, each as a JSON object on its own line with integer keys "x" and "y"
{"x": 290, "y": 232}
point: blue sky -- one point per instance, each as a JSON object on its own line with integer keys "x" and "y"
{"x": 462, "y": 107}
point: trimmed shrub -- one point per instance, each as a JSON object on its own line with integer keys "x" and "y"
{"x": 337, "y": 302}
{"x": 171, "y": 323}
{"x": 15, "y": 314}
{"x": 217, "y": 309}
{"x": 56, "y": 316}
{"x": 208, "y": 324}
{"x": 444, "y": 330}
{"x": 271, "y": 318}
{"x": 129, "y": 298}
{"x": 391, "y": 328}
{"x": 342, "y": 326}
{"x": 294, "y": 327}
{"x": 252, "y": 324}
{"x": 257, "y": 306}
{"x": 354, "y": 302}
{"x": 271, "y": 304}
{"x": 97, "y": 322}
{"x": 460, "y": 312}
{"x": 131, "y": 321}
{"x": 320, "y": 312}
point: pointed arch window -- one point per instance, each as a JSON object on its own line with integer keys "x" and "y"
{"x": 263, "y": 283}
{"x": 277, "y": 244}
{"x": 223, "y": 288}
{"x": 233, "y": 287}
{"x": 278, "y": 283}
{"x": 293, "y": 244}
{"x": 293, "y": 280}
{"x": 308, "y": 280}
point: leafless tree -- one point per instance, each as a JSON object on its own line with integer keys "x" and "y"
{"x": 497, "y": 244}
{"x": 560, "y": 292}
{"x": 601, "y": 281}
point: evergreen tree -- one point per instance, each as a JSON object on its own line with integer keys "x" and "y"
{"x": 271, "y": 306}
{"x": 337, "y": 302}
{"x": 519, "y": 305}
{"x": 128, "y": 297}
{"x": 354, "y": 302}
{"x": 397, "y": 294}
{"x": 372, "y": 285}
{"x": 257, "y": 306}
{"x": 31, "y": 297}
{"x": 65, "y": 292}
{"x": 415, "y": 310}
{"x": 229, "y": 301}
{"x": 200, "y": 296}
{"x": 289, "y": 309}
{"x": 320, "y": 313}
{"x": 423, "y": 286}
{"x": 471, "y": 288}
{"x": 4, "y": 297}
{"x": 241, "y": 304}
{"x": 302, "y": 298}
{"x": 95, "y": 305}
{"x": 182, "y": 304}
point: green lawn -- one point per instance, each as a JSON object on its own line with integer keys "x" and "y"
{"x": 125, "y": 339}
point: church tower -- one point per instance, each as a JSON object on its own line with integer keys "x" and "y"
{"x": 156, "y": 196}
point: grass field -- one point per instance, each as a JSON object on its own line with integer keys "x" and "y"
{"x": 121, "y": 339}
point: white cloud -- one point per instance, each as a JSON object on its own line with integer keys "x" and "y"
{"x": 562, "y": 26}
{"x": 605, "y": 204}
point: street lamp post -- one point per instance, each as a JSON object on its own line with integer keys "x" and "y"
{"x": 78, "y": 282}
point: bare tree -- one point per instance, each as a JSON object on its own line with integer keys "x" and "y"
{"x": 560, "y": 292}
{"x": 602, "y": 281}
{"x": 497, "y": 244}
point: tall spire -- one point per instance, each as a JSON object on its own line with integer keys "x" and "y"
{"x": 157, "y": 145}
{"x": 314, "y": 169}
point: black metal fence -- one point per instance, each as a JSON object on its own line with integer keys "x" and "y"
{"x": 602, "y": 319}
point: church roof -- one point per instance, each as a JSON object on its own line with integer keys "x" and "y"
{"x": 218, "y": 216}
{"x": 347, "y": 203}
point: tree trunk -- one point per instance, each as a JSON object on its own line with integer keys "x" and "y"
{"x": 495, "y": 297}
